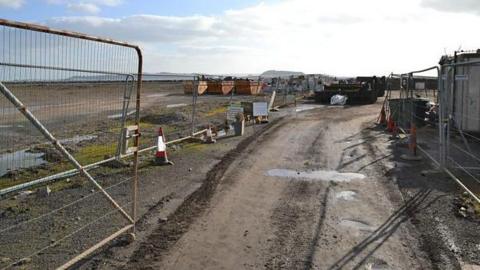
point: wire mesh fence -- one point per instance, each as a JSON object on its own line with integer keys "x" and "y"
{"x": 65, "y": 101}
{"x": 446, "y": 120}
{"x": 66, "y": 104}
{"x": 460, "y": 124}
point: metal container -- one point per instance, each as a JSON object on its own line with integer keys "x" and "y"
{"x": 220, "y": 87}
{"x": 201, "y": 88}
{"x": 247, "y": 87}
{"x": 466, "y": 95}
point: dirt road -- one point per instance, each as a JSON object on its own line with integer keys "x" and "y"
{"x": 309, "y": 193}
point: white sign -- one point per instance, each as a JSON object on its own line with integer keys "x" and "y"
{"x": 233, "y": 111}
{"x": 463, "y": 77}
{"x": 419, "y": 86}
{"x": 260, "y": 109}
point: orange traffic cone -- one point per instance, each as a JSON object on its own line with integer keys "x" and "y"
{"x": 382, "y": 119}
{"x": 390, "y": 124}
{"x": 161, "y": 157}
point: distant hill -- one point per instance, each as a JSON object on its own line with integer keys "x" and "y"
{"x": 280, "y": 73}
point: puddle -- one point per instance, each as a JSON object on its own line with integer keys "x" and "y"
{"x": 78, "y": 139}
{"x": 316, "y": 175}
{"x": 119, "y": 115}
{"x": 359, "y": 225}
{"x": 377, "y": 264}
{"x": 176, "y": 105}
{"x": 157, "y": 95}
{"x": 11, "y": 126}
{"x": 302, "y": 108}
{"x": 346, "y": 195}
{"x": 20, "y": 160}
{"x": 25, "y": 159}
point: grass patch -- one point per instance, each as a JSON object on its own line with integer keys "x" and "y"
{"x": 143, "y": 126}
{"x": 194, "y": 147}
{"x": 86, "y": 155}
{"x": 216, "y": 111}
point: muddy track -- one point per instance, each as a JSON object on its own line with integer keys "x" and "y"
{"x": 295, "y": 241}
{"x": 170, "y": 231}
{"x": 437, "y": 250}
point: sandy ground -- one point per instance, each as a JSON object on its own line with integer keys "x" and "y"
{"x": 311, "y": 217}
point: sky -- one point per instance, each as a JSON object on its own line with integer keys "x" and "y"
{"x": 336, "y": 37}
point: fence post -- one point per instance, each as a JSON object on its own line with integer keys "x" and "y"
{"x": 196, "y": 81}
{"x": 441, "y": 109}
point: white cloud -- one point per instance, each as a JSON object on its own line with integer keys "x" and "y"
{"x": 15, "y": 4}
{"x": 110, "y": 3}
{"x": 142, "y": 28}
{"x": 344, "y": 37}
{"x": 87, "y": 8}
{"x": 470, "y": 6}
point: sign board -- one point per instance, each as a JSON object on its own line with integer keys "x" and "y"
{"x": 462, "y": 77}
{"x": 233, "y": 111}
{"x": 260, "y": 109}
{"x": 419, "y": 85}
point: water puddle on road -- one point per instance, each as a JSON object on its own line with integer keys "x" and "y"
{"x": 316, "y": 175}
{"x": 355, "y": 224}
{"x": 377, "y": 264}
{"x": 301, "y": 108}
{"x": 176, "y": 105}
{"x": 346, "y": 195}
{"x": 158, "y": 95}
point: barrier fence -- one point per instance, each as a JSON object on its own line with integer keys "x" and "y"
{"x": 66, "y": 101}
{"x": 70, "y": 121}
{"x": 446, "y": 130}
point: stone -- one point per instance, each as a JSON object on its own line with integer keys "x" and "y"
{"x": 24, "y": 261}
{"x": 44, "y": 192}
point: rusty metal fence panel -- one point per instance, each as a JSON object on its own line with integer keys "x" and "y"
{"x": 66, "y": 100}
